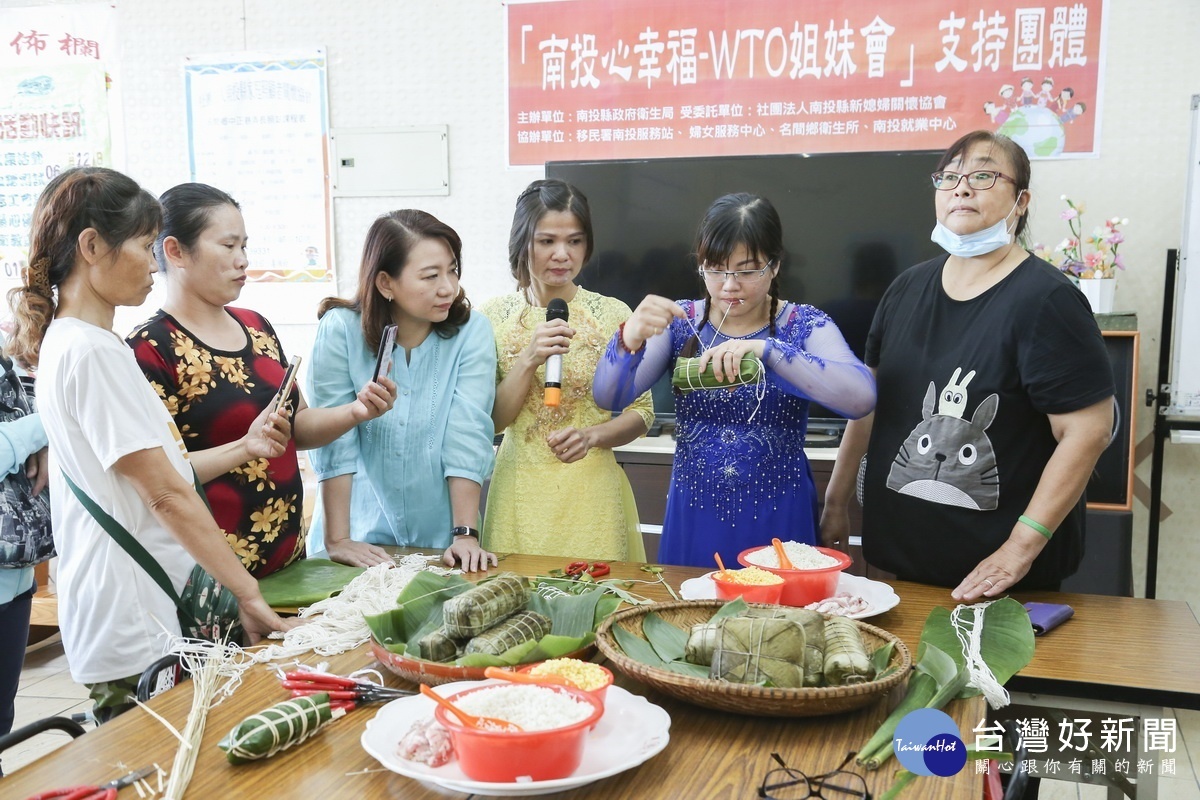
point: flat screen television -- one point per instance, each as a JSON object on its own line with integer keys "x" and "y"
{"x": 851, "y": 223}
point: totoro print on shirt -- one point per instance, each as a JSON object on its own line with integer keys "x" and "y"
{"x": 947, "y": 458}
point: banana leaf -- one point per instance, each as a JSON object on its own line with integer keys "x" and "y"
{"x": 669, "y": 641}
{"x": 940, "y": 675}
{"x": 936, "y": 681}
{"x": 570, "y": 615}
{"x": 637, "y": 648}
{"x": 1006, "y": 642}
{"x": 305, "y": 582}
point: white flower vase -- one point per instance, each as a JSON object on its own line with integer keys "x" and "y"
{"x": 1100, "y": 293}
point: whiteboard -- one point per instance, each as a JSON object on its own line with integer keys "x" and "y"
{"x": 1185, "y": 345}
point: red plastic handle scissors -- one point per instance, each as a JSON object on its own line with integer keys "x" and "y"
{"x": 343, "y": 692}
{"x": 105, "y": 791}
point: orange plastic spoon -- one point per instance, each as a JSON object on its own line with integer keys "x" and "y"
{"x": 784, "y": 561}
{"x": 485, "y": 723}
{"x": 721, "y": 564}
{"x": 525, "y": 677}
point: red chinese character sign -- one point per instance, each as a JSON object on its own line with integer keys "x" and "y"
{"x": 57, "y": 96}
{"x": 594, "y": 80}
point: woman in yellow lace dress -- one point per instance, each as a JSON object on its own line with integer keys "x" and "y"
{"x": 557, "y": 488}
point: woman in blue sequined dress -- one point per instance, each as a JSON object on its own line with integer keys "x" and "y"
{"x": 740, "y": 475}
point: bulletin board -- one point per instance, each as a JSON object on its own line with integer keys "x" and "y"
{"x": 258, "y": 129}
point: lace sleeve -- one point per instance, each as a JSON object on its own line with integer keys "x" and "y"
{"x": 622, "y": 376}
{"x": 812, "y": 360}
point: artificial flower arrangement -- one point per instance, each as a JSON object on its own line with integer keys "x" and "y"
{"x": 1071, "y": 256}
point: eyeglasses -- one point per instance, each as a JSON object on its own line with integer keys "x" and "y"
{"x": 741, "y": 276}
{"x": 786, "y": 783}
{"x": 979, "y": 180}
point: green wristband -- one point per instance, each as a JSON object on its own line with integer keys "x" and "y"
{"x": 1037, "y": 526}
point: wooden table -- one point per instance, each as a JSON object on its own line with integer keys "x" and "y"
{"x": 711, "y": 754}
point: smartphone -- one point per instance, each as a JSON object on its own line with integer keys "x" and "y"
{"x": 285, "y": 389}
{"x": 383, "y": 361}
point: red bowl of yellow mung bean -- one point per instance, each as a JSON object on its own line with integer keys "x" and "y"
{"x": 591, "y": 678}
{"x": 752, "y": 584}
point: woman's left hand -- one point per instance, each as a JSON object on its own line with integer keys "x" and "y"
{"x": 269, "y": 434}
{"x": 465, "y": 550}
{"x": 726, "y": 357}
{"x": 996, "y": 574}
{"x": 570, "y": 444}
{"x": 374, "y": 400}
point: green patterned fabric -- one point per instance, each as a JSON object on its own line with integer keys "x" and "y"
{"x": 207, "y": 610}
{"x": 113, "y": 698}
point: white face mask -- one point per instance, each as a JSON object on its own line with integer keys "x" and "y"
{"x": 974, "y": 244}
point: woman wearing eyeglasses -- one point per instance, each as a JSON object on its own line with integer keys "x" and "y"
{"x": 995, "y": 399}
{"x": 740, "y": 476}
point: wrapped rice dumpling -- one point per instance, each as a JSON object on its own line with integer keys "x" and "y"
{"x": 760, "y": 651}
{"x": 814, "y": 638}
{"x": 702, "y": 640}
{"x": 474, "y": 611}
{"x": 437, "y": 646}
{"x": 517, "y": 629}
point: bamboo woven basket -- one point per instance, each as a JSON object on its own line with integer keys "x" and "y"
{"x": 740, "y": 698}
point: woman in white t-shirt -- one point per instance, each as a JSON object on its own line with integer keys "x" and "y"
{"x": 92, "y": 239}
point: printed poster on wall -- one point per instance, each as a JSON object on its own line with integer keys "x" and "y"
{"x": 616, "y": 79}
{"x": 257, "y": 128}
{"x": 57, "y": 87}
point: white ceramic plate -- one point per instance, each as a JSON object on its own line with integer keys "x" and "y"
{"x": 632, "y": 731}
{"x": 881, "y": 596}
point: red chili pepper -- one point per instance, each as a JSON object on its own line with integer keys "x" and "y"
{"x": 576, "y": 568}
{"x": 598, "y": 569}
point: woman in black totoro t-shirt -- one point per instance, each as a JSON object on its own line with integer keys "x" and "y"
{"x": 995, "y": 399}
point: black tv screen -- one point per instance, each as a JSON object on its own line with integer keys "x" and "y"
{"x": 851, "y": 223}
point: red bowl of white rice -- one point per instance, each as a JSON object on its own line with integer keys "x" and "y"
{"x": 816, "y": 572}
{"x": 555, "y": 721}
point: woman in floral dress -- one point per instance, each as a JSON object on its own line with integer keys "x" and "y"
{"x": 217, "y": 369}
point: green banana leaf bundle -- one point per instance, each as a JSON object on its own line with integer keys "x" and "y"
{"x": 687, "y": 375}
{"x": 279, "y": 727}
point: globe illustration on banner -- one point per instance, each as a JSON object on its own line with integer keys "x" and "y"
{"x": 1037, "y": 129}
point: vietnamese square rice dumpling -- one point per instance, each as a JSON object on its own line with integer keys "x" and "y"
{"x": 756, "y": 650}
{"x": 814, "y": 637}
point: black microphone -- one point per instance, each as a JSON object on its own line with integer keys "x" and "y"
{"x": 555, "y": 309}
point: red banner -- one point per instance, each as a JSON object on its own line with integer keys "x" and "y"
{"x": 607, "y": 79}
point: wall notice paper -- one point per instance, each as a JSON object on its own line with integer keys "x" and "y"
{"x": 591, "y": 80}
{"x": 57, "y": 87}
{"x": 258, "y": 128}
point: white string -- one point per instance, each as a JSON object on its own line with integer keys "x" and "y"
{"x": 970, "y": 636}
{"x": 760, "y": 387}
{"x": 340, "y": 625}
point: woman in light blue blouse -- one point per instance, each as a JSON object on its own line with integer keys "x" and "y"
{"x": 22, "y": 446}
{"x": 413, "y": 476}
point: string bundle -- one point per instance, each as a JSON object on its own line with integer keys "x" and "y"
{"x": 339, "y": 623}
{"x": 967, "y": 622}
{"x": 216, "y": 669}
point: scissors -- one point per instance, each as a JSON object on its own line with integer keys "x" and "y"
{"x": 106, "y": 791}
{"x": 343, "y": 692}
